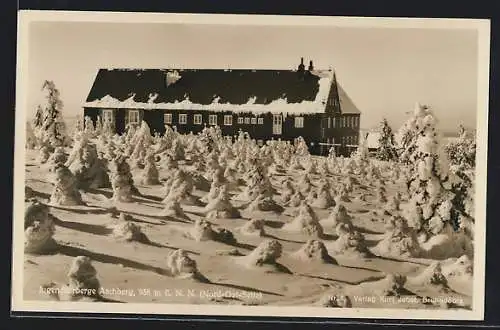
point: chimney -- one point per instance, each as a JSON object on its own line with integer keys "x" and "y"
{"x": 311, "y": 67}
{"x": 301, "y": 65}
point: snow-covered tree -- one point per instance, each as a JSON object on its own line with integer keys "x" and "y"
{"x": 462, "y": 155}
{"x": 434, "y": 209}
{"x": 301, "y": 148}
{"x": 462, "y": 152}
{"x": 48, "y": 124}
{"x": 79, "y": 126}
{"x": 30, "y": 137}
{"x": 108, "y": 128}
{"x": 98, "y": 125}
{"x": 89, "y": 127}
{"x": 409, "y": 132}
{"x": 38, "y": 120}
{"x": 386, "y": 144}
{"x": 360, "y": 157}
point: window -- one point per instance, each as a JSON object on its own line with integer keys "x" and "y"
{"x": 107, "y": 115}
{"x": 342, "y": 121}
{"x": 133, "y": 116}
{"x": 277, "y": 124}
{"x": 260, "y": 121}
{"x": 356, "y": 121}
{"x": 212, "y": 119}
{"x": 254, "y": 121}
{"x": 240, "y": 120}
{"x": 167, "y": 118}
{"x": 334, "y": 121}
{"x": 228, "y": 120}
{"x": 329, "y": 122}
{"x": 247, "y": 120}
{"x": 299, "y": 122}
{"x": 183, "y": 118}
{"x": 197, "y": 120}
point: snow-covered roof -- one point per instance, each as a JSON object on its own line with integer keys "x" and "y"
{"x": 256, "y": 91}
{"x": 372, "y": 140}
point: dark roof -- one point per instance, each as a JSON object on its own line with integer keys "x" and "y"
{"x": 202, "y": 88}
{"x": 346, "y": 104}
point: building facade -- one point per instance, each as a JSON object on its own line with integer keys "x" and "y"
{"x": 268, "y": 104}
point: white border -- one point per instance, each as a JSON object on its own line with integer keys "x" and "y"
{"x": 483, "y": 30}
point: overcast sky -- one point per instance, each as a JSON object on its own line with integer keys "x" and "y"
{"x": 384, "y": 71}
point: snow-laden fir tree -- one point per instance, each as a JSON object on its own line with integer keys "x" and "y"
{"x": 48, "y": 125}
{"x": 434, "y": 210}
{"x": 98, "y": 125}
{"x": 386, "y": 144}
{"x": 360, "y": 158}
{"x": 108, "y": 128}
{"x": 38, "y": 119}
{"x": 30, "y": 137}
{"x": 462, "y": 152}
{"x": 331, "y": 153}
{"x": 301, "y": 148}
{"x": 89, "y": 127}
{"x": 409, "y": 132}
{"x": 79, "y": 126}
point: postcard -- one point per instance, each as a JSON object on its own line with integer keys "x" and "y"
{"x": 246, "y": 165}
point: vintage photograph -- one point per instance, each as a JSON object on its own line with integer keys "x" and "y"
{"x": 250, "y": 165}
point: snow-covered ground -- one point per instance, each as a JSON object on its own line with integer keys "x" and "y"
{"x": 127, "y": 270}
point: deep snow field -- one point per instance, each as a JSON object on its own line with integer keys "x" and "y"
{"x": 133, "y": 267}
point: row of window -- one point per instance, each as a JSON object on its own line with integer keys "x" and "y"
{"x": 349, "y": 140}
{"x": 212, "y": 119}
{"x": 228, "y": 120}
{"x": 344, "y": 140}
{"x": 340, "y": 122}
{"x": 133, "y": 116}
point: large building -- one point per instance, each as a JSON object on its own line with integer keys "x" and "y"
{"x": 268, "y": 104}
